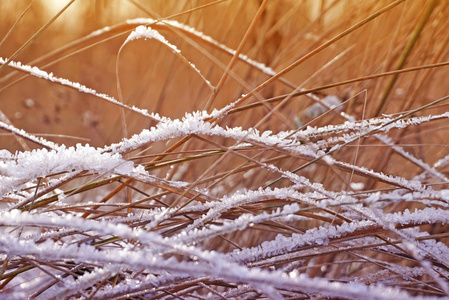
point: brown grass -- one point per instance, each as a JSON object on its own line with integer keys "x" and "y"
{"x": 300, "y": 41}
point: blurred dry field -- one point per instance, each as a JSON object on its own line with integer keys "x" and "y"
{"x": 155, "y": 79}
{"x": 341, "y": 48}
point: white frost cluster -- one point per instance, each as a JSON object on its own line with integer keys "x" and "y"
{"x": 148, "y": 33}
{"x": 21, "y": 167}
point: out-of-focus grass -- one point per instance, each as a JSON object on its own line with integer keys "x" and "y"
{"x": 153, "y": 78}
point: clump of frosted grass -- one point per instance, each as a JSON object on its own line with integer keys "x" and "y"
{"x": 65, "y": 232}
